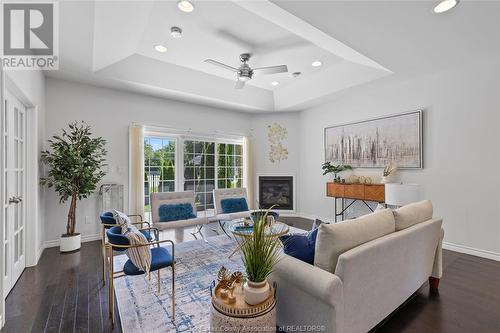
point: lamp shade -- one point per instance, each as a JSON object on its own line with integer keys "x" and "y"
{"x": 401, "y": 194}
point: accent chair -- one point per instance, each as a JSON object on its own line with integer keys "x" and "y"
{"x": 160, "y": 258}
{"x": 230, "y": 204}
{"x": 108, "y": 221}
{"x": 176, "y": 210}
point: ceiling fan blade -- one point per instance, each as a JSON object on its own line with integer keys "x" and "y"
{"x": 220, "y": 64}
{"x": 271, "y": 70}
{"x": 239, "y": 84}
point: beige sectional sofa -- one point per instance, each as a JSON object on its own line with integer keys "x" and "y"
{"x": 363, "y": 270}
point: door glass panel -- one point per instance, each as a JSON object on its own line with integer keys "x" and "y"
{"x": 6, "y": 259}
{"x": 21, "y": 243}
{"x": 21, "y": 154}
{"x": 16, "y": 122}
{"x": 5, "y": 224}
{"x": 16, "y": 155}
{"x": 21, "y": 125}
{"x": 16, "y": 247}
{"x": 6, "y": 118}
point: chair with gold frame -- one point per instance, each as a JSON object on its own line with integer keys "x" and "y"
{"x": 160, "y": 258}
{"x": 108, "y": 221}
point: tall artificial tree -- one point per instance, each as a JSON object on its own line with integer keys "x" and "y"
{"x": 75, "y": 159}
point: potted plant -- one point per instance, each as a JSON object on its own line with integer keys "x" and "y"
{"x": 75, "y": 159}
{"x": 260, "y": 253}
{"x": 328, "y": 167}
{"x": 388, "y": 172}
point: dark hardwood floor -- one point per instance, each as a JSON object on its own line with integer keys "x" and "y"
{"x": 64, "y": 293}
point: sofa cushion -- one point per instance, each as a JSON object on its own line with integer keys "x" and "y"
{"x": 335, "y": 239}
{"x": 412, "y": 214}
{"x": 300, "y": 246}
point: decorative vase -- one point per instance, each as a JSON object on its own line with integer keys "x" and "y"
{"x": 70, "y": 243}
{"x": 256, "y": 292}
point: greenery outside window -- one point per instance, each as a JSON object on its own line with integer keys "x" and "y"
{"x": 159, "y": 166}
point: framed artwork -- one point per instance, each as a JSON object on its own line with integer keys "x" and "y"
{"x": 374, "y": 143}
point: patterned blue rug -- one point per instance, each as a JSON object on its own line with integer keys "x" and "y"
{"x": 141, "y": 310}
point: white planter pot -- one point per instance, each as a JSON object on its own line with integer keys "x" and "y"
{"x": 256, "y": 292}
{"x": 70, "y": 243}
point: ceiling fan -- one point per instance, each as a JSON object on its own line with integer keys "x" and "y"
{"x": 244, "y": 73}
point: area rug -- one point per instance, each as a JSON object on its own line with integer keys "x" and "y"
{"x": 197, "y": 264}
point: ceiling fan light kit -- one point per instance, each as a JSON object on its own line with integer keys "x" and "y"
{"x": 245, "y": 73}
{"x": 176, "y": 32}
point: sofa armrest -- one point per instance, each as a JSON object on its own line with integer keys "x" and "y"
{"x": 313, "y": 280}
{"x": 307, "y": 296}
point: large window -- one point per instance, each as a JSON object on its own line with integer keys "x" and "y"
{"x": 159, "y": 167}
{"x": 204, "y": 165}
{"x": 209, "y": 165}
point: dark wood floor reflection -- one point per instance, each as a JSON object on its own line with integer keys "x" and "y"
{"x": 64, "y": 294}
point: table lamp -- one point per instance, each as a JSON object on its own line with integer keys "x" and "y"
{"x": 401, "y": 194}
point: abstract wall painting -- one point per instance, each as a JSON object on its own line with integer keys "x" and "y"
{"x": 395, "y": 139}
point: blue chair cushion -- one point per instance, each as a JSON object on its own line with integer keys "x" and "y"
{"x": 115, "y": 236}
{"x": 176, "y": 212}
{"x": 161, "y": 258}
{"x": 233, "y": 205}
{"x": 301, "y": 246}
{"x": 107, "y": 218}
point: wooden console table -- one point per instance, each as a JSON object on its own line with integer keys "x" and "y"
{"x": 362, "y": 192}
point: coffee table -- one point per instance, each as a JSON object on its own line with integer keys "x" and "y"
{"x": 244, "y": 228}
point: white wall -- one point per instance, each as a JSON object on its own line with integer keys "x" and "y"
{"x": 109, "y": 113}
{"x": 461, "y": 146}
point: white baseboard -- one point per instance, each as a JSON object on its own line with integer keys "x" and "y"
{"x": 86, "y": 238}
{"x": 472, "y": 251}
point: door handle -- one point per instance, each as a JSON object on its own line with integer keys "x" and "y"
{"x": 15, "y": 200}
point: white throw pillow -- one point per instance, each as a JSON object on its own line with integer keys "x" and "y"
{"x": 122, "y": 220}
{"x": 412, "y": 214}
{"x": 337, "y": 238}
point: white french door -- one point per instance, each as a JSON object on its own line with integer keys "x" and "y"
{"x": 14, "y": 180}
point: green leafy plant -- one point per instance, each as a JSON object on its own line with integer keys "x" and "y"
{"x": 328, "y": 167}
{"x": 389, "y": 169}
{"x": 75, "y": 160}
{"x": 260, "y": 252}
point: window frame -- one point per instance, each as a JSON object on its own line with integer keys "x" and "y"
{"x": 180, "y": 138}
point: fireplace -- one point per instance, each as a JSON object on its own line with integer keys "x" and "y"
{"x": 276, "y": 190}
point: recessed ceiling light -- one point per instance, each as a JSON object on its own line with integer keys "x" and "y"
{"x": 186, "y": 6}
{"x": 176, "y": 32}
{"x": 275, "y": 83}
{"x": 317, "y": 63}
{"x": 160, "y": 48}
{"x": 445, "y": 6}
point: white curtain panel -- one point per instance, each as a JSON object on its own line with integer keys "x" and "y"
{"x": 248, "y": 174}
{"x": 136, "y": 155}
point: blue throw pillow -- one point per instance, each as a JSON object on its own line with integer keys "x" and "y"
{"x": 176, "y": 212}
{"x": 301, "y": 246}
{"x": 233, "y": 205}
